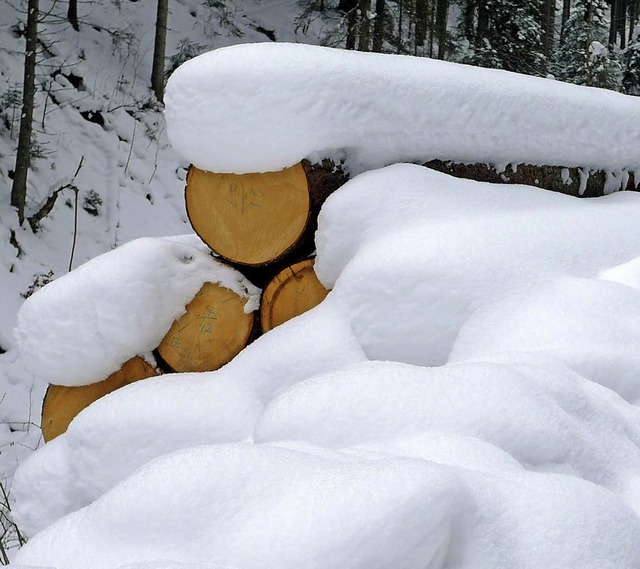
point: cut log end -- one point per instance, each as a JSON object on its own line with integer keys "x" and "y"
{"x": 62, "y": 404}
{"x": 210, "y": 334}
{"x": 291, "y": 292}
{"x": 250, "y": 219}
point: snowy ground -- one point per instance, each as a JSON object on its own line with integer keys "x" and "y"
{"x": 466, "y": 396}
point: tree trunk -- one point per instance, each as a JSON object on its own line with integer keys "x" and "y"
{"x": 352, "y": 27}
{"x": 548, "y": 29}
{"x": 566, "y": 12}
{"x": 210, "y": 333}
{"x": 378, "y": 27}
{"x": 256, "y": 219}
{"x": 483, "y": 23}
{"x": 62, "y": 404}
{"x": 421, "y": 23}
{"x": 19, "y": 187}
{"x": 159, "y": 49}
{"x": 365, "y": 25}
{"x": 293, "y": 291}
{"x": 442, "y": 17}
{"x": 72, "y": 14}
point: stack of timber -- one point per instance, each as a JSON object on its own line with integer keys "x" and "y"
{"x": 261, "y": 225}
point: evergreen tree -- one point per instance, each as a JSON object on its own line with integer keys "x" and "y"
{"x": 583, "y": 58}
{"x": 631, "y": 77}
{"x": 507, "y": 35}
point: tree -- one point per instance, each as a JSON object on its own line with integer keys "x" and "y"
{"x": 583, "y": 57}
{"x": 631, "y": 60}
{"x": 19, "y": 187}
{"x": 72, "y": 14}
{"x": 507, "y": 35}
{"x": 378, "y": 26}
{"x": 159, "y": 49}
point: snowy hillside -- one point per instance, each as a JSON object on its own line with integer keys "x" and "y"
{"x": 466, "y": 396}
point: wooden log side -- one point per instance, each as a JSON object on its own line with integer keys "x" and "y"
{"x": 210, "y": 333}
{"x": 258, "y": 219}
{"x": 290, "y": 293}
{"x": 62, "y": 404}
{"x": 554, "y": 178}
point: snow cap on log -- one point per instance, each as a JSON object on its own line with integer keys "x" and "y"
{"x": 263, "y": 107}
{"x": 83, "y": 326}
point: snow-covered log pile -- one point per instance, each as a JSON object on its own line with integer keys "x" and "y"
{"x": 465, "y": 397}
{"x": 377, "y": 109}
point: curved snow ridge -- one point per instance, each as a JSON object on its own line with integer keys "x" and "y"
{"x": 233, "y": 505}
{"x": 83, "y": 326}
{"x": 263, "y": 107}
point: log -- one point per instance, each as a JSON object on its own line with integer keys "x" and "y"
{"x": 257, "y": 219}
{"x": 579, "y": 182}
{"x": 210, "y": 333}
{"x": 62, "y": 403}
{"x": 291, "y": 292}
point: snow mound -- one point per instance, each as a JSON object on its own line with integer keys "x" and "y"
{"x": 285, "y": 102}
{"x": 411, "y": 253}
{"x": 251, "y": 506}
{"x": 590, "y": 324}
{"x": 83, "y": 326}
{"x": 309, "y": 450}
{"x": 119, "y": 433}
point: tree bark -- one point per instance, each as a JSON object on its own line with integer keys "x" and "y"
{"x": 442, "y": 17}
{"x": 548, "y": 29}
{"x": 566, "y": 12}
{"x": 483, "y": 23}
{"x": 378, "y": 26}
{"x": 365, "y": 25}
{"x": 72, "y": 15}
{"x": 159, "y": 49}
{"x": 19, "y": 187}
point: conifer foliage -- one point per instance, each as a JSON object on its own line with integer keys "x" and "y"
{"x": 584, "y": 57}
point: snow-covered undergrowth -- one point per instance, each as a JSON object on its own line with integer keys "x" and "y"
{"x": 452, "y": 403}
{"x": 466, "y": 396}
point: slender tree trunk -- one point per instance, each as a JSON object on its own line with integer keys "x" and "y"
{"x": 19, "y": 188}
{"x": 159, "y": 49}
{"x": 421, "y": 23}
{"x": 378, "y": 26}
{"x": 633, "y": 16}
{"x": 548, "y": 29}
{"x": 365, "y": 25}
{"x": 72, "y": 14}
{"x": 621, "y": 22}
{"x": 566, "y": 12}
{"x": 400, "y": 9}
{"x": 483, "y": 23}
{"x": 352, "y": 28}
{"x": 442, "y": 17}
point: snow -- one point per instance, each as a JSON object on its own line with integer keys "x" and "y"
{"x": 83, "y": 326}
{"x": 281, "y": 103}
{"x": 466, "y": 397}
{"x": 460, "y": 399}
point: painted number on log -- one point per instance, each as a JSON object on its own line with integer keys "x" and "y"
{"x": 242, "y": 198}
{"x": 207, "y": 315}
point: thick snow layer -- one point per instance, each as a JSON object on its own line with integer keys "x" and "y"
{"x": 83, "y": 326}
{"x": 232, "y": 505}
{"x": 150, "y": 418}
{"x": 252, "y": 108}
{"x": 412, "y": 253}
{"x": 310, "y": 451}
